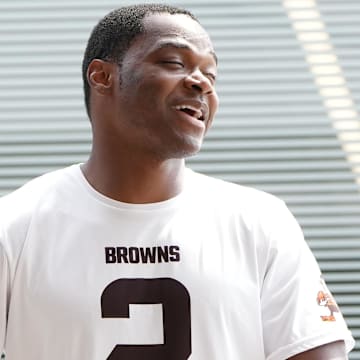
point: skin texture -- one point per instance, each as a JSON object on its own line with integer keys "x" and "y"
{"x": 332, "y": 351}
{"x": 140, "y": 137}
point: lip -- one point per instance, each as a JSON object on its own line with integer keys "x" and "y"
{"x": 200, "y": 108}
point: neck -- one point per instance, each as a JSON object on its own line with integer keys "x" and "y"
{"x": 132, "y": 180}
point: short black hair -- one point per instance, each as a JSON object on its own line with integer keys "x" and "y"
{"x": 112, "y": 36}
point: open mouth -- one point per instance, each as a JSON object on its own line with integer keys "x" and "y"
{"x": 191, "y": 111}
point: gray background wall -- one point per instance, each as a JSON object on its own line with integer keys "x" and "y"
{"x": 283, "y": 126}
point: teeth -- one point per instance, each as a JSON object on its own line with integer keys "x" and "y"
{"x": 197, "y": 113}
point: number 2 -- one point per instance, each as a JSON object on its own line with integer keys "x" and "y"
{"x": 175, "y": 300}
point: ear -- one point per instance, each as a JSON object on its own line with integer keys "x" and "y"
{"x": 100, "y": 75}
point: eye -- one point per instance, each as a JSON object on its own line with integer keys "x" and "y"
{"x": 173, "y": 63}
{"x": 211, "y": 76}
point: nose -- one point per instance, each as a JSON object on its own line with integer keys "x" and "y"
{"x": 199, "y": 82}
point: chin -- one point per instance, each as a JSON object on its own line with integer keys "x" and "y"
{"x": 190, "y": 148}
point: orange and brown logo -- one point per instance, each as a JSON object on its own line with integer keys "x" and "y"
{"x": 328, "y": 304}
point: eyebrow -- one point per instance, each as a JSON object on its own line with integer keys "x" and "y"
{"x": 179, "y": 45}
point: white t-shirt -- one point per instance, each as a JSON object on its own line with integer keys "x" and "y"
{"x": 218, "y": 272}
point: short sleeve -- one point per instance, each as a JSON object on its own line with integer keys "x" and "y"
{"x": 4, "y": 295}
{"x": 298, "y": 311}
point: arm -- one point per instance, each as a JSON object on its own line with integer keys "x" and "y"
{"x": 331, "y": 351}
{"x": 299, "y": 314}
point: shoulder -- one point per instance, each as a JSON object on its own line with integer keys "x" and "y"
{"x": 233, "y": 196}
{"x": 255, "y": 210}
{"x": 18, "y": 206}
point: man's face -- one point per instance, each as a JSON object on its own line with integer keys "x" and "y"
{"x": 165, "y": 99}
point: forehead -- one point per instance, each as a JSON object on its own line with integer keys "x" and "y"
{"x": 163, "y": 27}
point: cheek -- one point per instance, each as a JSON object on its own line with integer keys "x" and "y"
{"x": 144, "y": 86}
{"x": 213, "y": 106}
{"x": 154, "y": 92}
{"x": 214, "y": 103}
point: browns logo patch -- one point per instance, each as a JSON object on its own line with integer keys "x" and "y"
{"x": 328, "y": 304}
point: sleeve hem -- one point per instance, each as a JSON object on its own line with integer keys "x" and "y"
{"x": 311, "y": 343}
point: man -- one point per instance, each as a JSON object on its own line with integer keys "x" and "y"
{"x": 133, "y": 256}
